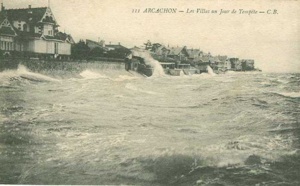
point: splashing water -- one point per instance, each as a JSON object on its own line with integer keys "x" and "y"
{"x": 158, "y": 70}
{"x": 210, "y": 71}
{"x": 182, "y": 73}
{"x": 88, "y": 74}
{"x": 23, "y": 73}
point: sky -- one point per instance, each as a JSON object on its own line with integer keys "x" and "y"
{"x": 272, "y": 40}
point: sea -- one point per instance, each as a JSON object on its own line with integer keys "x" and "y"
{"x": 103, "y": 125}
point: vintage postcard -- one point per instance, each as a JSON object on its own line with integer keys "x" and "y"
{"x": 136, "y": 92}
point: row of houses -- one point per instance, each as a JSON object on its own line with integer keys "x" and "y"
{"x": 33, "y": 32}
{"x": 199, "y": 59}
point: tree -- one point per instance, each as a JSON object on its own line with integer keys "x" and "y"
{"x": 155, "y": 46}
{"x": 97, "y": 52}
{"x": 80, "y": 50}
{"x": 148, "y": 45}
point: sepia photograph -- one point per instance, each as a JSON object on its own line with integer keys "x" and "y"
{"x": 150, "y": 92}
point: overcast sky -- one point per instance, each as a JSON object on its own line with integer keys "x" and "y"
{"x": 272, "y": 40}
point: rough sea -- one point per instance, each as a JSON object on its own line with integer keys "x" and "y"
{"x": 106, "y": 126}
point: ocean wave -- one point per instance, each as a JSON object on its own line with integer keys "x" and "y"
{"x": 22, "y": 73}
{"x": 289, "y": 94}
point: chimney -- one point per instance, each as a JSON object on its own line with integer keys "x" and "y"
{"x": 2, "y": 7}
{"x": 119, "y": 43}
{"x": 29, "y": 9}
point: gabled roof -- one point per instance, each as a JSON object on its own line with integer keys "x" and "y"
{"x": 94, "y": 43}
{"x": 31, "y": 15}
{"x": 65, "y": 37}
{"x": 216, "y": 59}
{"x": 175, "y": 51}
{"x": 6, "y": 27}
{"x": 160, "y": 50}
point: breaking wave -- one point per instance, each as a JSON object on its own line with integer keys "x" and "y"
{"x": 290, "y": 94}
{"x": 158, "y": 70}
{"x": 22, "y": 73}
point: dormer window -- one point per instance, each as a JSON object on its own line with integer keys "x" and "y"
{"x": 48, "y": 30}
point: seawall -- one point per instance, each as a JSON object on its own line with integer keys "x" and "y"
{"x": 37, "y": 65}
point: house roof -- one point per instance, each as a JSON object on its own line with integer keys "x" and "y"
{"x": 6, "y": 30}
{"x": 31, "y": 15}
{"x": 175, "y": 51}
{"x": 216, "y": 59}
{"x": 160, "y": 50}
{"x": 65, "y": 37}
{"x": 93, "y": 42}
{"x": 60, "y": 36}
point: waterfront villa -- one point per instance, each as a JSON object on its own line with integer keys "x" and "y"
{"x": 33, "y": 32}
{"x": 178, "y": 53}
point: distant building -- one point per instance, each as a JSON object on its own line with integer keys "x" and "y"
{"x": 248, "y": 64}
{"x": 34, "y": 31}
{"x": 235, "y": 64}
{"x": 202, "y": 63}
{"x": 178, "y": 53}
{"x": 160, "y": 50}
{"x": 194, "y": 54}
{"x": 93, "y": 44}
{"x": 117, "y": 51}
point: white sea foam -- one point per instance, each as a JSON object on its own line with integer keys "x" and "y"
{"x": 88, "y": 74}
{"x": 210, "y": 71}
{"x": 23, "y": 72}
{"x": 290, "y": 94}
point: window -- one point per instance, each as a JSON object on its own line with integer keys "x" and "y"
{"x": 48, "y": 30}
{"x": 56, "y": 48}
